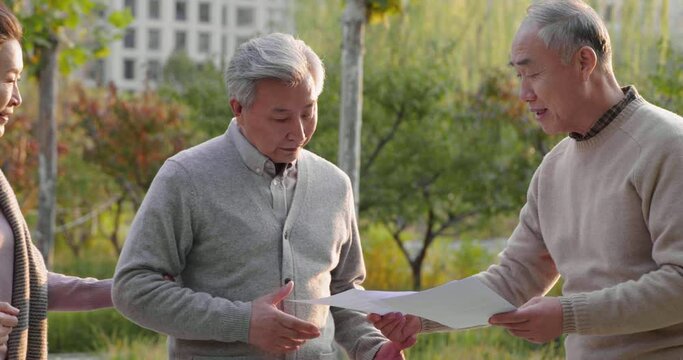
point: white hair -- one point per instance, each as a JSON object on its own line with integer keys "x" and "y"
{"x": 568, "y": 25}
{"x": 273, "y": 56}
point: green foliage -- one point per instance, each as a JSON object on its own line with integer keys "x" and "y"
{"x": 91, "y": 331}
{"x": 487, "y": 343}
{"x": 129, "y": 138}
{"x": 380, "y": 10}
{"x": 665, "y": 88}
{"x": 132, "y": 348}
{"x": 201, "y": 88}
{"x": 73, "y": 24}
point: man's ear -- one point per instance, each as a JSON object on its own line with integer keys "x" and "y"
{"x": 587, "y": 61}
{"x": 236, "y": 107}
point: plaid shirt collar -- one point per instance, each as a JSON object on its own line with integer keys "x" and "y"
{"x": 611, "y": 114}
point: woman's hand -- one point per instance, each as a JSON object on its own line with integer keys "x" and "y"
{"x": 8, "y": 320}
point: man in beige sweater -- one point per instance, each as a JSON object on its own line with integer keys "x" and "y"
{"x": 604, "y": 209}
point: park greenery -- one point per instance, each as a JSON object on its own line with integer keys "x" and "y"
{"x": 447, "y": 153}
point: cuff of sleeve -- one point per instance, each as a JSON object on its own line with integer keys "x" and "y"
{"x": 370, "y": 355}
{"x": 236, "y": 323}
{"x": 574, "y": 313}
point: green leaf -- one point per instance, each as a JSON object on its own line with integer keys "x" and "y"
{"x": 120, "y": 19}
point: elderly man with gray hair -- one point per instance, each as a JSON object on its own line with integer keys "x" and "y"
{"x": 229, "y": 227}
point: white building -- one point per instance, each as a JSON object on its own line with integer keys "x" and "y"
{"x": 204, "y": 29}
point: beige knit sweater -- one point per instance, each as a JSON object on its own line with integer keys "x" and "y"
{"x": 607, "y": 215}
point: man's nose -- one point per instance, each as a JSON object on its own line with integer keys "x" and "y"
{"x": 526, "y": 92}
{"x": 297, "y": 131}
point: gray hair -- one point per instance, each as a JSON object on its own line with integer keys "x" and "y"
{"x": 568, "y": 25}
{"x": 272, "y": 56}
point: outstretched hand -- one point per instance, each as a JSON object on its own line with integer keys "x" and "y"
{"x": 401, "y": 329}
{"x": 538, "y": 321}
{"x": 275, "y": 331}
{"x": 8, "y": 320}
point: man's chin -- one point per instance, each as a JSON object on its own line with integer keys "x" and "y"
{"x": 549, "y": 130}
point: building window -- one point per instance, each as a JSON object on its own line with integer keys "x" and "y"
{"x": 95, "y": 71}
{"x": 224, "y": 16}
{"x": 204, "y": 43}
{"x": 245, "y": 16}
{"x": 129, "y": 39}
{"x": 180, "y": 40}
{"x": 224, "y": 46}
{"x": 153, "y": 70}
{"x": 100, "y": 10}
{"x": 154, "y": 9}
{"x": 129, "y": 69}
{"x": 180, "y": 10}
{"x": 130, "y": 5}
{"x": 204, "y": 12}
{"x": 154, "y": 39}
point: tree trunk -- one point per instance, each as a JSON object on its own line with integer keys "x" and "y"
{"x": 47, "y": 157}
{"x": 416, "y": 270}
{"x": 350, "y": 120}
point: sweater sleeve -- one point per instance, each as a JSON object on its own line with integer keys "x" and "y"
{"x": 526, "y": 268}
{"x": 70, "y": 293}
{"x": 352, "y": 329}
{"x": 159, "y": 240}
{"x": 654, "y": 300}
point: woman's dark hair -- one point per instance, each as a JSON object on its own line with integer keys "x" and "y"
{"x": 10, "y": 28}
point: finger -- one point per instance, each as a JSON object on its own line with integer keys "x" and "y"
{"x": 387, "y": 320}
{"x": 410, "y": 341}
{"x": 373, "y": 318}
{"x": 290, "y": 342}
{"x": 8, "y": 309}
{"x": 514, "y": 317}
{"x": 533, "y": 301}
{"x": 280, "y": 294}
{"x": 8, "y": 320}
{"x": 286, "y": 348}
{"x": 292, "y": 334}
{"x": 304, "y": 329}
{"x": 4, "y": 339}
{"x": 393, "y": 330}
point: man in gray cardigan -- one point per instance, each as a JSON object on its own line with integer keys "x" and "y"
{"x": 238, "y": 220}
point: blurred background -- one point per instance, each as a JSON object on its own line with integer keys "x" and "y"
{"x": 113, "y": 88}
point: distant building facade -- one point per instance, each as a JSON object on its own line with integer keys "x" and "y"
{"x": 207, "y": 30}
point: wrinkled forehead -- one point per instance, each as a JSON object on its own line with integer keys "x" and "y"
{"x": 525, "y": 43}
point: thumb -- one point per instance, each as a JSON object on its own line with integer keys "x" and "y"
{"x": 283, "y": 292}
{"x": 8, "y": 309}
